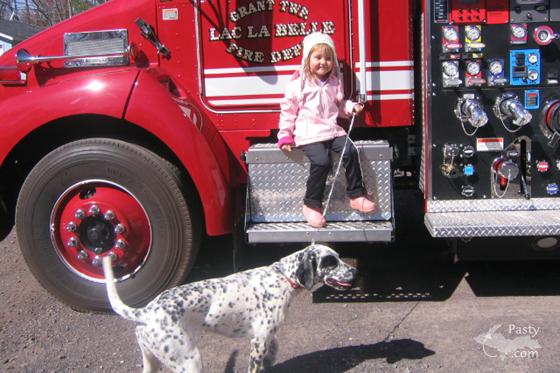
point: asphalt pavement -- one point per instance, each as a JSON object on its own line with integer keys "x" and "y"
{"x": 413, "y": 309}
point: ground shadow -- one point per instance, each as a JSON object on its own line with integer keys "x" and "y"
{"x": 344, "y": 358}
{"x": 402, "y": 284}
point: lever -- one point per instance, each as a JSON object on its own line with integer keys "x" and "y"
{"x": 149, "y": 34}
{"x": 448, "y": 167}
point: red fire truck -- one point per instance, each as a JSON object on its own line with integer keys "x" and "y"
{"x": 134, "y": 128}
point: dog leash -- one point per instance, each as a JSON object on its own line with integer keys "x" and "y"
{"x": 339, "y": 164}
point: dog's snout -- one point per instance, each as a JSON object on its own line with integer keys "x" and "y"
{"x": 350, "y": 273}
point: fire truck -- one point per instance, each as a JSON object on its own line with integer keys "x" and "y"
{"x": 135, "y": 128}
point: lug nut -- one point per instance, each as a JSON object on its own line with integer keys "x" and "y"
{"x": 94, "y": 210}
{"x": 82, "y": 255}
{"x": 72, "y": 242}
{"x": 109, "y": 215}
{"x": 119, "y": 229}
{"x": 121, "y": 244}
{"x": 96, "y": 261}
{"x": 79, "y": 214}
{"x": 71, "y": 227}
{"x": 113, "y": 256}
{"x": 98, "y": 250}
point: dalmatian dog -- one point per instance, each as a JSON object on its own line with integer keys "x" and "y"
{"x": 251, "y": 303}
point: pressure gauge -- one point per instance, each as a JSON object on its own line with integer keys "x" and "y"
{"x": 518, "y": 31}
{"x": 473, "y": 68}
{"x": 472, "y": 33}
{"x": 533, "y": 75}
{"x": 533, "y": 58}
{"x": 450, "y": 68}
{"x": 496, "y": 67}
{"x": 450, "y": 34}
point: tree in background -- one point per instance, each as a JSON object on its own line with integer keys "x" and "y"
{"x": 43, "y": 13}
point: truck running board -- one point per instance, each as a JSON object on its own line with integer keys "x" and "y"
{"x": 357, "y": 231}
{"x": 493, "y": 223}
{"x": 276, "y": 187}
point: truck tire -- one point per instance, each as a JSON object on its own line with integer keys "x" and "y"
{"x": 97, "y": 197}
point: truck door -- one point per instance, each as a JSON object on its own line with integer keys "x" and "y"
{"x": 249, "y": 49}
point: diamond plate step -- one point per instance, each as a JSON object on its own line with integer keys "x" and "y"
{"x": 277, "y": 183}
{"x": 360, "y": 231}
{"x": 493, "y": 223}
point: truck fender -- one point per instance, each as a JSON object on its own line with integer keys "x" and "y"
{"x": 152, "y": 108}
{"x": 105, "y": 94}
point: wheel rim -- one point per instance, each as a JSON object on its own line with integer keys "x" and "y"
{"x": 97, "y": 218}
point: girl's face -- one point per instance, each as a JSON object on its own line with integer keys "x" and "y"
{"x": 321, "y": 61}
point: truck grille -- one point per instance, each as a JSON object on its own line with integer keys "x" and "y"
{"x": 100, "y": 47}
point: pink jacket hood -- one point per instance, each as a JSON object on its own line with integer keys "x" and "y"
{"x": 310, "y": 109}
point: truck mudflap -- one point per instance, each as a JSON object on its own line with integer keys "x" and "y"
{"x": 6, "y": 222}
{"x": 514, "y": 217}
{"x": 276, "y": 186}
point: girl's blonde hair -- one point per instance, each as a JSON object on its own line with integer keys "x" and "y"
{"x": 325, "y": 48}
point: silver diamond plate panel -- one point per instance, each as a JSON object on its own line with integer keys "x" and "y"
{"x": 276, "y": 190}
{"x": 422, "y": 175}
{"x": 494, "y": 223}
{"x": 379, "y": 231}
{"x": 494, "y": 204}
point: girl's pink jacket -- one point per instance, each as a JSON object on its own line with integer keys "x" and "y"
{"x": 309, "y": 111}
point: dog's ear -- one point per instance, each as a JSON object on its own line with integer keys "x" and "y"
{"x": 306, "y": 270}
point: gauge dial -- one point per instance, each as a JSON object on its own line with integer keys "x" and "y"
{"x": 543, "y": 35}
{"x": 518, "y": 31}
{"x": 496, "y": 67}
{"x": 450, "y": 34}
{"x": 533, "y": 75}
{"x": 533, "y": 58}
{"x": 472, "y": 33}
{"x": 473, "y": 68}
{"x": 450, "y": 69}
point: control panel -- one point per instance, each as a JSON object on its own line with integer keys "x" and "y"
{"x": 494, "y": 99}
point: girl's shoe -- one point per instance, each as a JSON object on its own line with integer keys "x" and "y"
{"x": 314, "y": 217}
{"x": 362, "y": 204}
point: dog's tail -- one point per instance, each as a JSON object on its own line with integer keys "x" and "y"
{"x": 117, "y": 304}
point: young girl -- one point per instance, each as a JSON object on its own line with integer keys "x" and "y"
{"x": 312, "y": 103}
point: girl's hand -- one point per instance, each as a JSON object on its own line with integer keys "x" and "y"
{"x": 358, "y": 108}
{"x": 287, "y": 147}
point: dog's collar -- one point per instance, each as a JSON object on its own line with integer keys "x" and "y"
{"x": 292, "y": 283}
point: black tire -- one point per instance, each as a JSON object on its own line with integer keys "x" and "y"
{"x": 157, "y": 187}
